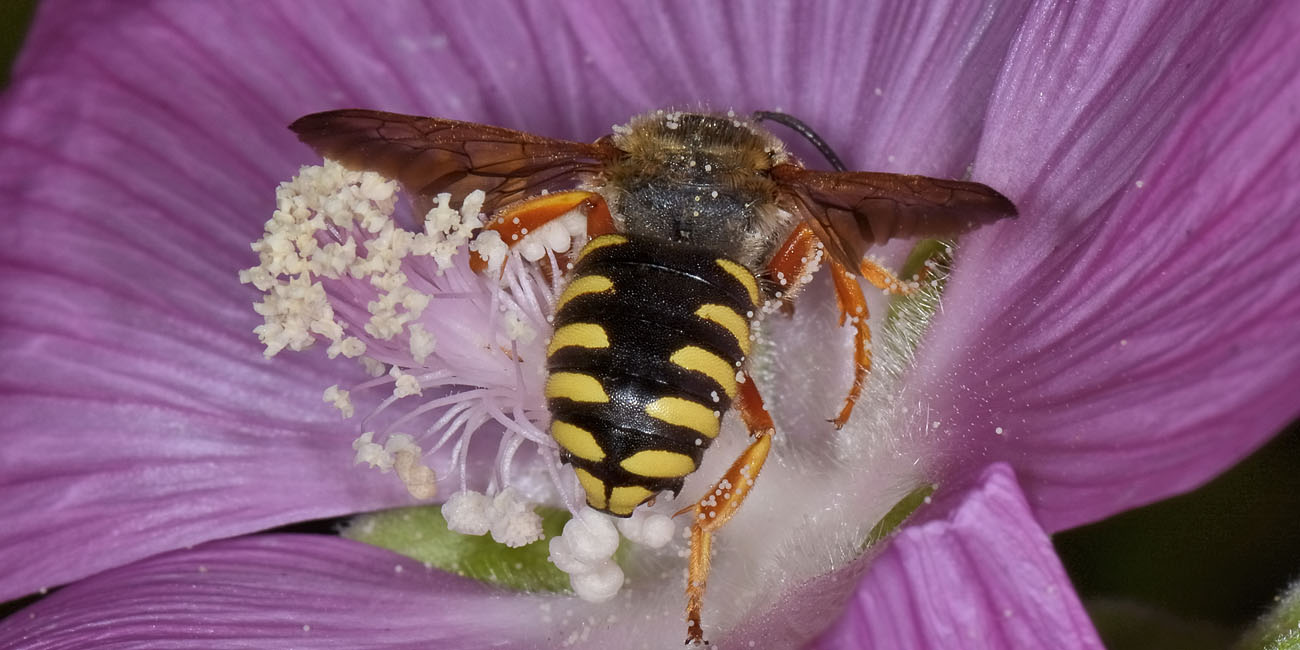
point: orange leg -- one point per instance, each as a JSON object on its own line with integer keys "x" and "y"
{"x": 722, "y": 501}
{"x": 793, "y": 263}
{"x": 853, "y": 306}
{"x": 521, "y": 218}
{"x": 884, "y": 279}
{"x": 791, "y": 266}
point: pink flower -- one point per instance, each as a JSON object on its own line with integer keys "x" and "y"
{"x": 1129, "y": 336}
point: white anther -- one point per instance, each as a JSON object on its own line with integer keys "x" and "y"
{"x": 468, "y": 513}
{"x": 647, "y": 528}
{"x": 514, "y": 523}
{"x": 599, "y": 585}
{"x": 592, "y": 536}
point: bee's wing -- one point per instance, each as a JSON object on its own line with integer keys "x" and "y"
{"x": 851, "y": 211}
{"x": 430, "y": 155}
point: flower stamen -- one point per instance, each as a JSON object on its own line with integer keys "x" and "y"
{"x": 334, "y": 265}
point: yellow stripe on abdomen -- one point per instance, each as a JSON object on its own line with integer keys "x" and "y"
{"x": 583, "y": 285}
{"x": 698, "y": 359}
{"x": 594, "y": 487}
{"x": 729, "y": 319}
{"x": 575, "y": 386}
{"x": 658, "y": 463}
{"x": 583, "y": 335}
{"x": 743, "y": 275}
{"x": 600, "y": 242}
{"x": 577, "y": 441}
{"x": 623, "y": 500}
{"x": 685, "y": 413}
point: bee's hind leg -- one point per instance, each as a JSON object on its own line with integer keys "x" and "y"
{"x": 853, "y": 305}
{"x": 853, "y": 308}
{"x": 791, "y": 266}
{"x": 722, "y": 501}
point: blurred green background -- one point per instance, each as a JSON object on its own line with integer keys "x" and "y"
{"x": 1186, "y": 573}
{"x": 14, "y": 17}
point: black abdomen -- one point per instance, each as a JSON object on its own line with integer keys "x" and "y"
{"x": 648, "y": 339}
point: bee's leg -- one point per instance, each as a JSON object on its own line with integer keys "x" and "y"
{"x": 885, "y": 280}
{"x": 853, "y": 307}
{"x": 519, "y": 219}
{"x": 722, "y": 501}
{"x": 791, "y": 266}
{"x": 794, "y": 261}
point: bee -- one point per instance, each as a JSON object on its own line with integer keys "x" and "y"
{"x": 695, "y": 222}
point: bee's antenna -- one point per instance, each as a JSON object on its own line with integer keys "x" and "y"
{"x": 804, "y": 130}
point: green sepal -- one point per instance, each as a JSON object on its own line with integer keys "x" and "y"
{"x": 421, "y": 533}
{"x": 1280, "y": 628}
{"x": 898, "y": 514}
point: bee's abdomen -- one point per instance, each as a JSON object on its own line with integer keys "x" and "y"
{"x": 649, "y": 337}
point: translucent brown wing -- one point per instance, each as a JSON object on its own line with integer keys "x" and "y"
{"x": 852, "y": 211}
{"x": 430, "y": 155}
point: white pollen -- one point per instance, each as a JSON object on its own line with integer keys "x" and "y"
{"x": 422, "y": 342}
{"x": 647, "y": 528}
{"x": 404, "y": 385}
{"x": 468, "y": 513}
{"x": 998, "y": 431}
{"x": 514, "y": 522}
{"x": 561, "y": 555}
{"x": 371, "y": 453}
{"x": 489, "y": 246}
{"x": 373, "y": 367}
{"x": 584, "y": 551}
{"x": 1139, "y": 184}
{"x": 591, "y": 535}
{"x": 341, "y": 400}
{"x": 599, "y": 585}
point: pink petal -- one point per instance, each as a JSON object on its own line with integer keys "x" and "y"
{"x": 985, "y": 577}
{"x": 140, "y": 146}
{"x": 278, "y": 591}
{"x": 891, "y": 86}
{"x": 1133, "y": 333}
